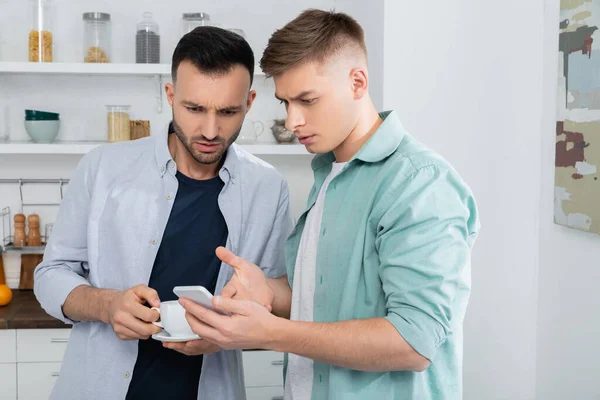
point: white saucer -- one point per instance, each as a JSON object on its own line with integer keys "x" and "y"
{"x": 163, "y": 336}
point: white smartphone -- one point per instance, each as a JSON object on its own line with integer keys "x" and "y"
{"x": 198, "y": 294}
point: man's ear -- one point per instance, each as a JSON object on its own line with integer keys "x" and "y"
{"x": 360, "y": 82}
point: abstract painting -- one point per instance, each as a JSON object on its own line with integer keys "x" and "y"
{"x": 577, "y": 187}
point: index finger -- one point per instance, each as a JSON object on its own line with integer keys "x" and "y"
{"x": 205, "y": 315}
{"x": 229, "y": 290}
{"x": 225, "y": 255}
{"x": 148, "y": 294}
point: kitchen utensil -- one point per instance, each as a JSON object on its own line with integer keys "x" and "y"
{"x": 42, "y": 131}
{"x": 4, "y": 135}
{"x": 139, "y": 129}
{"x": 28, "y": 264}
{"x": 238, "y": 31}
{"x": 172, "y": 318}
{"x": 34, "y": 237}
{"x": 190, "y": 21}
{"x": 12, "y": 268}
{"x": 36, "y": 115}
{"x": 281, "y": 133}
{"x": 97, "y": 37}
{"x": 48, "y": 232}
{"x": 40, "y": 34}
{"x": 20, "y": 239}
{"x": 2, "y": 275}
{"x": 250, "y": 132}
{"x": 147, "y": 41}
{"x": 118, "y": 123}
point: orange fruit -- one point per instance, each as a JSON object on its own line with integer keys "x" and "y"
{"x": 5, "y": 295}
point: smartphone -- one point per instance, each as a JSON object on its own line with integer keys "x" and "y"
{"x": 198, "y": 294}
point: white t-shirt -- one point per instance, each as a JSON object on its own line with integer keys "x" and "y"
{"x": 299, "y": 378}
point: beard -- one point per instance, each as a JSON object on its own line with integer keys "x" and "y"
{"x": 205, "y": 158}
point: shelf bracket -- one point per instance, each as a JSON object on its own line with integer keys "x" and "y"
{"x": 159, "y": 93}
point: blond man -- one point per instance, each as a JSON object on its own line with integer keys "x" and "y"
{"x": 379, "y": 263}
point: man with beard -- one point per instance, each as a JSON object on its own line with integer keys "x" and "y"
{"x": 144, "y": 216}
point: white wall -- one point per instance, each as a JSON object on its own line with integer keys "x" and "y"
{"x": 81, "y": 100}
{"x": 371, "y": 22}
{"x": 569, "y": 305}
{"x": 465, "y": 78}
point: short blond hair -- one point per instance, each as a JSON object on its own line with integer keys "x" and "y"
{"x": 315, "y": 35}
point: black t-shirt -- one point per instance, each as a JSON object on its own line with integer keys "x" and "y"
{"x": 186, "y": 256}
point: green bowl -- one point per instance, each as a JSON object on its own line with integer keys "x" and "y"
{"x": 42, "y": 131}
{"x": 35, "y": 115}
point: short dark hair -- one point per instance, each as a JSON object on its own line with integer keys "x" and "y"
{"x": 314, "y": 35}
{"x": 213, "y": 51}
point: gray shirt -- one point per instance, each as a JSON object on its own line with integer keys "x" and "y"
{"x": 107, "y": 234}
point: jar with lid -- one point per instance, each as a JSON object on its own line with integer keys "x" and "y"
{"x": 190, "y": 21}
{"x": 147, "y": 41}
{"x": 40, "y": 34}
{"x": 118, "y": 123}
{"x": 97, "y": 37}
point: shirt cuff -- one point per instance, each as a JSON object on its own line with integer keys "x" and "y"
{"x": 420, "y": 335}
{"x": 58, "y": 294}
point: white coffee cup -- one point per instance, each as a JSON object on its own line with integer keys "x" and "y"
{"x": 172, "y": 319}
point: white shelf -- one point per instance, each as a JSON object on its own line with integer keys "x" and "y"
{"x": 276, "y": 149}
{"x": 80, "y": 148}
{"x": 53, "y": 148}
{"x": 90, "y": 69}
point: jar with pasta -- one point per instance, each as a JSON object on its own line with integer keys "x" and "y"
{"x": 97, "y": 37}
{"x": 40, "y": 34}
{"x": 118, "y": 123}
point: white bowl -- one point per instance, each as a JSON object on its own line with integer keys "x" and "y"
{"x": 42, "y": 131}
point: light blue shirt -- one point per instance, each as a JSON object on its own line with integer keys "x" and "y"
{"x": 107, "y": 235}
{"x": 395, "y": 242}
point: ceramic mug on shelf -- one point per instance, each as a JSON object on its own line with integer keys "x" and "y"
{"x": 250, "y": 132}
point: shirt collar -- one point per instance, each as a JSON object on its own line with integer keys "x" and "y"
{"x": 161, "y": 152}
{"x": 380, "y": 145}
{"x": 164, "y": 160}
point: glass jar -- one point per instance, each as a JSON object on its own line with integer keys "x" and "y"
{"x": 147, "y": 41}
{"x": 118, "y": 123}
{"x": 96, "y": 37}
{"x": 238, "y": 31}
{"x": 40, "y": 35}
{"x": 190, "y": 21}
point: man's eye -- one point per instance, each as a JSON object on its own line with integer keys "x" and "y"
{"x": 228, "y": 113}
{"x": 308, "y": 101}
{"x": 194, "y": 109}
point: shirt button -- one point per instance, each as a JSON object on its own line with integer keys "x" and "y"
{"x": 169, "y": 197}
{"x": 153, "y": 241}
{"x": 162, "y": 169}
{"x": 126, "y": 374}
{"x": 171, "y": 164}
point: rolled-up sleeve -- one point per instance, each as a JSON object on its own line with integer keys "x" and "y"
{"x": 424, "y": 244}
{"x": 65, "y": 263}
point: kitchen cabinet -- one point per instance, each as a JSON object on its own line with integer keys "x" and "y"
{"x": 8, "y": 347}
{"x": 264, "y": 393}
{"x": 35, "y": 355}
{"x": 41, "y": 345}
{"x": 36, "y": 380}
{"x": 8, "y": 381}
{"x": 263, "y": 368}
